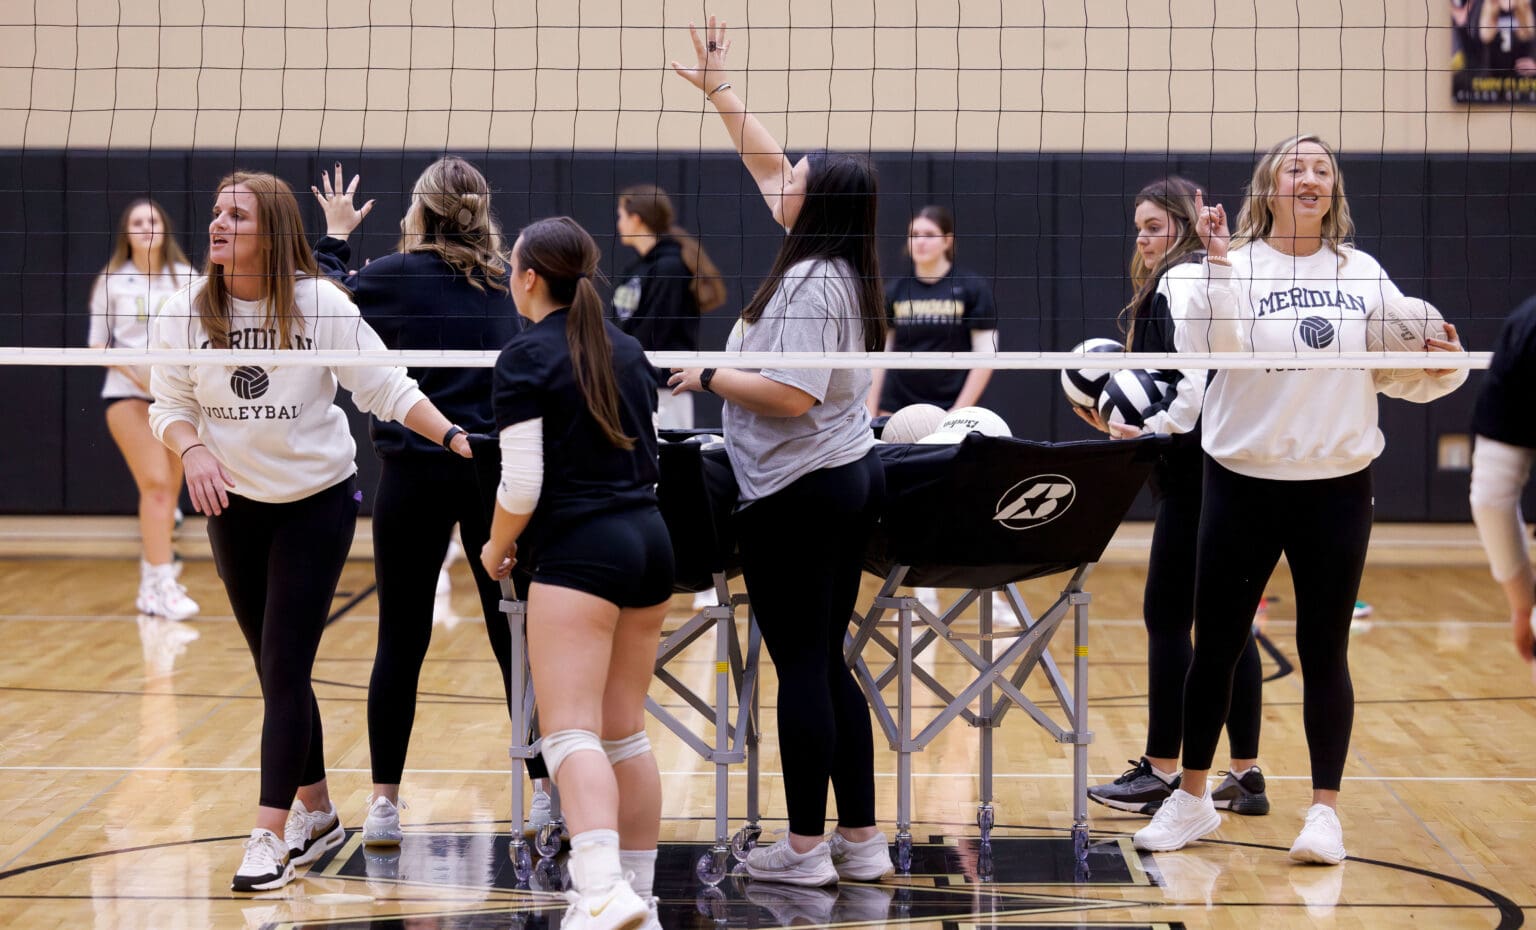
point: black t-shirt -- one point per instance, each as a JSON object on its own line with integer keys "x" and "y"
{"x": 936, "y": 317}
{"x": 1181, "y": 463}
{"x": 584, "y": 473}
{"x": 654, "y": 301}
{"x": 1503, "y": 410}
{"x": 415, "y": 300}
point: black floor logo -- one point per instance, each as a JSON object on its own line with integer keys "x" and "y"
{"x": 249, "y": 382}
{"x": 1035, "y": 501}
{"x": 1316, "y": 332}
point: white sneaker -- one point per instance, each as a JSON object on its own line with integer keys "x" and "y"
{"x": 868, "y": 861}
{"x": 539, "y": 812}
{"x": 1322, "y": 838}
{"x": 778, "y": 862}
{"x": 310, "y": 833}
{"x": 382, "y": 825}
{"x": 654, "y": 922}
{"x": 161, "y": 595}
{"x": 619, "y": 908}
{"x": 1182, "y": 819}
{"x": 266, "y": 864}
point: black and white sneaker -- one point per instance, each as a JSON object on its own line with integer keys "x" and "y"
{"x": 1242, "y": 795}
{"x": 1140, "y": 790}
{"x": 266, "y": 864}
{"x": 310, "y": 833}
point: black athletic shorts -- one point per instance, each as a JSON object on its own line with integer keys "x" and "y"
{"x": 623, "y": 558}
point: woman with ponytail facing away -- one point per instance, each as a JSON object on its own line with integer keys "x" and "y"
{"x": 574, "y": 399}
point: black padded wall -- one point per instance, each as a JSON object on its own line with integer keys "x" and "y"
{"x": 1051, "y": 230}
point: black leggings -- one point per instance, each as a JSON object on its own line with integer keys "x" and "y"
{"x": 1168, "y": 607}
{"x": 1322, "y": 526}
{"x": 420, "y": 499}
{"x": 802, "y": 552}
{"x": 280, "y": 564}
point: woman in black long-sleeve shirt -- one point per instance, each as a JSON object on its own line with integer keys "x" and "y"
{"x": 661, "y": 294}
{"x": 444, "y": 288}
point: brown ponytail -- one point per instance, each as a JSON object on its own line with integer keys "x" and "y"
{"x": 654, "y": 208}
{"x": 564, "y": 255}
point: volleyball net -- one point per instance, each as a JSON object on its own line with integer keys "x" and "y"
{"x": 1033, "y": 123}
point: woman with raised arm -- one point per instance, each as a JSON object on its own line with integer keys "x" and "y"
{"x": 147, "y": 267}
{"x": 1287, "y": 467}
{"x": 1166, "y": 238}
{"x": 444, "y": 287}
{"x": 575, "y": 399}
{"x": 270, "y": 458}
{"x": 800, "y": 443}
{"x": 665, "y": 289}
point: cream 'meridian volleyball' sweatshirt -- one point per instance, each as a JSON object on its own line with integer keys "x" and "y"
{"x": 1290, "y": 424}
{"x": 276, "y": 428}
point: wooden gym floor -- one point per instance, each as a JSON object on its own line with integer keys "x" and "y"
{"x": 129, "y": 752}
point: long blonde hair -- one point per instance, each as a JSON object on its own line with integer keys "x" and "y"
{"x": 450, "y": 216}
{"x": 1256, "y": 220}
{"x": 285, "y": 253}
{"x": 171, "y": 255}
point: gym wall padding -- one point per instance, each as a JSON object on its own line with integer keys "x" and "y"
{"x": 1052, "y": 231}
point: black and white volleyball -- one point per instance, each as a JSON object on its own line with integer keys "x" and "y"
{"x": 1083, "y": 385}
{"x": 1130, "y": 395}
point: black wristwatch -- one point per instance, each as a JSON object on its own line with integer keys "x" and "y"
{"x": 448, "y": 437}
{"x": 706, "y": 376}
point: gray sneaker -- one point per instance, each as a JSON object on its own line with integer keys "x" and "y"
{"x": 1242, "y": 795}
{"x": 779, "y": 862}
{"x": 869, "y": 861}
{"x": 1139, "y": 790}
{"x": 382, "y": 825}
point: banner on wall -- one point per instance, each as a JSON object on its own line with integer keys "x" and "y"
{"x": 1493, "y": 51}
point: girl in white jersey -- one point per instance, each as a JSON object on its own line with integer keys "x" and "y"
{"x": 1287, "y": 467}
{"x": 270, "y": 458}
{"x": 147, "y": 266}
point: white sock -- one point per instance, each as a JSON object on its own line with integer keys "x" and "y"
{"x": 1239, "y": 775}
{"x": 640, "y": 865}
{"x": 595, "y": 861}
{"x": 1167, "y": 777}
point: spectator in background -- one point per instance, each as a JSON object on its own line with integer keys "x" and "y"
{"x": 665, "y": 289}
{"x": 147, "y": 266}
{"x": 937, "y": 308}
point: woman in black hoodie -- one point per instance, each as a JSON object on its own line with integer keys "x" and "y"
{"x": 445, "y": 287}
{"x": 662, "y": 294}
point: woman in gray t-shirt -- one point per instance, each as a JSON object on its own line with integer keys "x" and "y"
{"x": 810, "y": 482}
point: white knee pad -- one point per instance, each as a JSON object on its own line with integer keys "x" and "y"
{"x": 635, "y": 744}
{"x": 559, "y": 745}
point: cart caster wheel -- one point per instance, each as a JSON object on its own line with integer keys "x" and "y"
{"x": 984, "y": 820}
{"x": 745, "y": 841}
{"x": 904, "y": 853}
{"x": 712, "y": 866}
{"x": 547, "y": 876}
{"x": 984, "y": 869}
{"x": 547, "y": 840}
{"x": 1080, "y": 841}
{"x": 522, "y": 860}
{"x": 711, "y": 903}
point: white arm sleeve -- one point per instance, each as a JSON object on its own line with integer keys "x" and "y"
{"x": 1499, "y": 472}
{"x": 1203, "y": 301}
{"x": 1184, "y": 412}
{"x": 983, "y": 341}
{"x": 522, "y": 466}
